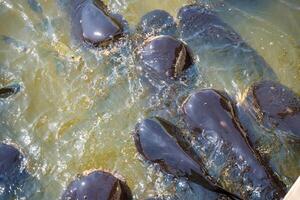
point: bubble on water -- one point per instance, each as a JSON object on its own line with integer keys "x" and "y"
{"x": 80, "y": 142}
{"x": 106, "y": 117}
{"x": 61, "y": 166}
{"x": 182, "y": 185}
{"x": 53, "y": 126}
{"x": 256, "y": 194}
{"x": 2, "y": 189}
{"x": 25, "y": 137}
{"x": 5, "y": 3}
{"x": 34, "y": 150}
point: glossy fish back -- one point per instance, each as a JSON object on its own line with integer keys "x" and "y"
{"x": 160, "y": 142}
{"x": 13, "y": 174}
{"x": 97, "y": 185}
{"x": 275, "y": 106}
{"x": 211, "y": 117}
{"x": 92, "y": 22}
{"x": 165, "y": 56}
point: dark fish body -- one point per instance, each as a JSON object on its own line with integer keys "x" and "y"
{"x": 35, "y": 6}
{"x": 14, "y": 43}
{"x": 225, "y": 58}
{"x": 161, "y": 53}
{"x": 157, "y": 22}
{"x": 164, "y": 56}
{"x": 12, "y": 172}
{"x": 165, "y": 68}
{"x": 275, "y": 106}
{"x": 210, "y": 115}
{"x": 160, "y": 142}
{"x": 92, "y": 23}
{"x": 10, "y": 160}
{"x": 97, "y": 185}
{"x": 165, "y": 63}
{"x": 7, "y": 91}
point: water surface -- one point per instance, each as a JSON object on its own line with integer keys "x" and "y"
{"x": 77, "y": 107}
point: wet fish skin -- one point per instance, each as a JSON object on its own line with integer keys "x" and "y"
{"x": 275, "y": 106}
{"x": 157, "y": 22}
{"x": 210, "y": 115}
{"x": 160, "y": 142}
{"x": 93, "y": 23}
{"x": 165, "y": 56}
{"x": 10, "y": 160}
{"x": 97, "y": 185}
{"x": 12, "y": 171}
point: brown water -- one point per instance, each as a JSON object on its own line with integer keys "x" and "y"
{"x": 76, "y": 110}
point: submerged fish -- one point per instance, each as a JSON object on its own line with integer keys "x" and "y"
{"x": 226, "y": 59}
{"x": 35, "y": 6}
{"x": 211, "y": 117}
{"x": 157, "y": 22}
{"x": 16, "y": 44}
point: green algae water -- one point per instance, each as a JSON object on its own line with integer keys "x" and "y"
{"x": 77, "y": 108}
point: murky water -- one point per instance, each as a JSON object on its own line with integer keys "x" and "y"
{"x": 77, "y": 107}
